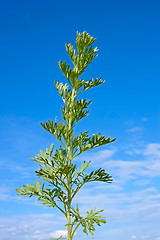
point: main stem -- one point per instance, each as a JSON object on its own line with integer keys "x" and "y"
{"x": 69, "y": 176}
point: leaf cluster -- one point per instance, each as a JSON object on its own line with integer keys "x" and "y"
{"x": 88, "y": 222}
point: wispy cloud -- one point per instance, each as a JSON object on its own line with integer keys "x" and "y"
{"x": 153, "y": 150}
{"x": 35, "y": 226}
{"x": 4, "y": 192}
{"x": 58, "y": 233}
{"x": 99, "y": 156}
{"x": 133, "y": 237}
{"x": 134, "y": 129}
{"x": 144, "y": 236}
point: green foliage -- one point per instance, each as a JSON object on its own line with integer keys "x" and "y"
{"x": 89, "y": 221}
{"x": 56, "y": 168}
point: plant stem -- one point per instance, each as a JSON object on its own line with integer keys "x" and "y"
{"x": 75, "y": 230}
{"x": 68, "y": 177}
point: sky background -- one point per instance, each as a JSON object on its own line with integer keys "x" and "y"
{"x": 32, "y": 40}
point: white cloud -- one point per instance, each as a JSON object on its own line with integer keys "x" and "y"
{"x": 123, "y": 207}
{"x": 99, "y": 156}
{"x": 35, "y": 226}
{"x": 133, "y": 237}
{"x": 148, "y": 164}
{"x": 105, "y": 154}
{"x": 134, "y": 129}
{"x": 4, "y": 196}
{"x": 126, "y": 170}
{"x": 12, "y": 230}
{"x": 4, "y": 193}
{"x": 152, "y": 149}
{"x": 58, "y": 233}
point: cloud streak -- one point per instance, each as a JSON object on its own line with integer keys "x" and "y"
{"x": 34, "y": 226}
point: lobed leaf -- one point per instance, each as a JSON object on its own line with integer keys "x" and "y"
{"x": 88, "y": 223}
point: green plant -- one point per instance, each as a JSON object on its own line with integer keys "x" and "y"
{"x": 58, "y": 169}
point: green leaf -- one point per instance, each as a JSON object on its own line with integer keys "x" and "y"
{"x": 84, "y": 165}
{"x": 96, "y": 141}
{"x": 83, "y": 41}
{"x": 98, "y": 175}
{"x": 61, "y": 237}
{"x": 30, "y": 189}
{"x": 84, "y": 143}
{"x": 71, "y": 52}
{"x": 92, "y": 83}
{"x": 70, "y": 74}
{"x": 45, "y": 157}
{"x": 88, "y": 223}
{"x": 63, "y": 91}
{"x": 57, "y": 130}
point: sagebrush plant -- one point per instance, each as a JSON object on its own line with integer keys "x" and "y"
{"x": 64, "y": 177}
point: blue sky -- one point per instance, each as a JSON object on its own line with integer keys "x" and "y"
{"x": 32, "y": 40}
